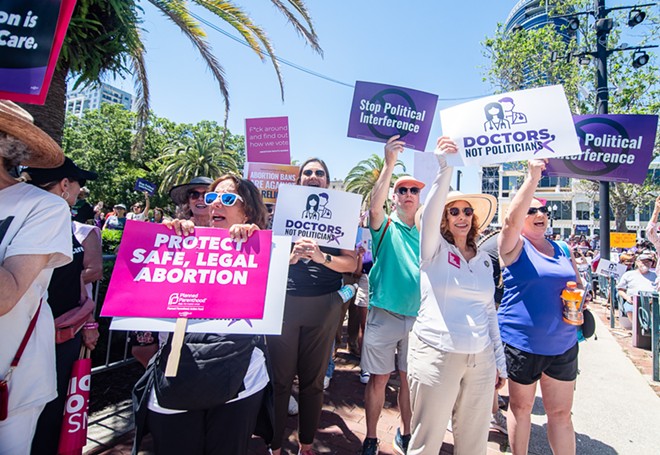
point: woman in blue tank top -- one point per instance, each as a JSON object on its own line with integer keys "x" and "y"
{"x": 539, "y": 345}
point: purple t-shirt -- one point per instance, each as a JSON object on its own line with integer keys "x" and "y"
{"x": 530, "y": 314}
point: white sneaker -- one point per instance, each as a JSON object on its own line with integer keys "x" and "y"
{"x": 326, "y": 382}
{"x": 293, "y": 406}
{"x": 498, "y": 422}
{"x": 364, "y": 377}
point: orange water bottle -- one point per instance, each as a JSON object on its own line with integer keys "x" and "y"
{"x": 572, "y": 298}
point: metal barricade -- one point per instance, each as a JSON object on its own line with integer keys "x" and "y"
{"x": 650, "y": 304}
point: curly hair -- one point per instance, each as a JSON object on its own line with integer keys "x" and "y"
{"x": 253, "y": 203}
{"x": 472, "y": 235}
{"x": 13, "y": 151}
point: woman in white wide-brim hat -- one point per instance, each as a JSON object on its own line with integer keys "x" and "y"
{"x": 35, "y": 238}
{"x": 455, "y": 359}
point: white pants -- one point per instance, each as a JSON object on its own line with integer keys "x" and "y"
{"x": 443, "y": 384}
{"x": 17, "y": 431}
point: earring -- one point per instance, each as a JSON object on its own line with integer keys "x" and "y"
{"x": 65, "y": 195}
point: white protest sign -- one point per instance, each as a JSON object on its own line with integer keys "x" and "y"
{"x": 515, "y": 126}
{"x": 329, "y": 217}
{"x": 425, "y": 169}
{"x": 611, "y": 269}
{"x": 271, "y": 324}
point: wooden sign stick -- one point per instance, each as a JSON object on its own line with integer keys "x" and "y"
{"x": 177, "y": 342}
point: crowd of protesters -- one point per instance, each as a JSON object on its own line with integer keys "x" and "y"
{"x": 426, "y": 308}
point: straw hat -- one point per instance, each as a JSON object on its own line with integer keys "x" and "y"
{"x": 17, "y": 122}
{"x": 484, "y": 205}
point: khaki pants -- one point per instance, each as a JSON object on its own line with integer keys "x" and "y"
{"x": 445, "y": 383}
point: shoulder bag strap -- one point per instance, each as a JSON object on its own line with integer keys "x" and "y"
{"x": 383, "y": 236}
{"x": 26, "y": 338}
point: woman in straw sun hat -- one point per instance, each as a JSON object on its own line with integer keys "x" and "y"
{"x": 455, "y": 359}
{"x": 35, "y": 238}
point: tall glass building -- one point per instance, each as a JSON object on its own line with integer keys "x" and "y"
{"x": 531, "y": 14}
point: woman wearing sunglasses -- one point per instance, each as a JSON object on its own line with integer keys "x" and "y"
{"x": 539, "y": 345}
{"x": 235, "y": 204}
{"x": 455, "y": 356}
{"x": 312, "y": 309}
{"x": 189, "y": 199}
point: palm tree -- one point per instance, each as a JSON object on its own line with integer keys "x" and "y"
{"x": 362, "y": 178}
{"x": 104, "y": 36}
{"x": 199, "y": 155}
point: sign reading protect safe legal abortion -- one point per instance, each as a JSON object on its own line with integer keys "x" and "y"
{"x": 159, "y": 274}
{"x": 329, "y": 217}
{"x": 615, "y": 148}
{"x": 267, "y": 140}
{"x": 515, "y": 126}
{"x": 379, "y": 112}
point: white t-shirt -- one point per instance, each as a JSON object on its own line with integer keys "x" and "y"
{"x": 32, "y": 222}
{"x": 135, "y": 216}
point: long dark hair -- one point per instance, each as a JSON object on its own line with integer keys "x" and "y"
{"x": 253, "y": 202}
{"x": 312, "y": 160}
{"x": 472, "y": 235}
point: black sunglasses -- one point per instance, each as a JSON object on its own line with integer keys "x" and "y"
{"x": 194, "y": 194}
{"x": 403, "y": 190}
{"x": 543, "y": 209}
{"x": 318, "y": 172}
{"x": 467, "y": 211}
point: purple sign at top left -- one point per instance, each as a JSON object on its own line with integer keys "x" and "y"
{"x": 379, "y": 112}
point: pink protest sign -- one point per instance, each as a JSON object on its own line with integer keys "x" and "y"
{"x": 267, "y": 140}
{"x": 159, "y": 274}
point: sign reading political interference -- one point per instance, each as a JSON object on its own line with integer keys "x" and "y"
{"x": 31, "y": 36}
{"x": 515, "y": 126}
{"x": 610, "y": 269}
{"x": 268, "y": 177}
{"x": 615, "y": 148}
{"x": 329, "y": 217}
{"x": 379, "y": 112}
{"x": 270, "y": 324}
{"x": 145, "y": 185}
{"x": 623, "y": 239}
{"x": 205, "y": 275}
{"x": 267, "y": 140}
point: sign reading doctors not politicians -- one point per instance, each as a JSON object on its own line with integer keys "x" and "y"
{"x": 615, "y": 148}
{"x": 159, "y": 274}
{"x": 379, "y": 112}
{"x": 329, "y": 217}
{"x": 515, "y": 126}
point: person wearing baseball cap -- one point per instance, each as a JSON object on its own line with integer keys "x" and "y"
{"x": 394, "y": 295}
{"x": 35, "y": 238}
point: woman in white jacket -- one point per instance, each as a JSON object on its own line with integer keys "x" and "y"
{"x": 456, "y": 358}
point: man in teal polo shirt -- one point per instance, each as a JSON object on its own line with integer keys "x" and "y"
{"x": 394, "y": 296}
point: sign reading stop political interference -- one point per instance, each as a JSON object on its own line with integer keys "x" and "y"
{"x": 380, "y": 111}
{"x": 515, "y": 126}
{"x": 615, "y": 148}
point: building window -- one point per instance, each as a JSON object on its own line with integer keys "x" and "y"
{"x": 582, "y": 211}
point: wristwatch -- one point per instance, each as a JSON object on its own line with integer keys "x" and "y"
{"x": 328, "y": 259}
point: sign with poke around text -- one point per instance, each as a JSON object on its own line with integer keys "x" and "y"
{"x": 267, "y": 140}
{"x": 515, "y": 126}
{"x": 329, "y": 217}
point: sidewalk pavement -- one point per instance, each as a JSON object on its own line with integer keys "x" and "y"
{"x": 613, "y": 404}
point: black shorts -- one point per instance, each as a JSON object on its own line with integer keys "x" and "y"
{"x": 526, "y": 368}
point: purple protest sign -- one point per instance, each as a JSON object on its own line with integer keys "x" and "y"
{"x": 379, "y": 111}
{"x": 616, "y": 148}
{"x": 267, "y": 140}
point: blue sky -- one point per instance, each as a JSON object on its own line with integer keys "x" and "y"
{"x": 431, "y": 45}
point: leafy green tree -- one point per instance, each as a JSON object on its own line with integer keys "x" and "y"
{"x": 530, "y": 58}
{"x": 105, "y": 37}
{"x": 362, "y": 178}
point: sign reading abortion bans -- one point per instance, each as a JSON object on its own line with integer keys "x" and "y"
{"x": 159, "y": 274}
{"x": 379, "y": 112}
{"x": 328, "y": 216}
{"x": 268, "y": 177}
{"x": 267, "y": 140}
{"x": 534, "y": 123}
{"x": 615, "y": 148}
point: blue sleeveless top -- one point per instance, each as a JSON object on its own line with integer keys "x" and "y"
{"x": 530, "y": 314}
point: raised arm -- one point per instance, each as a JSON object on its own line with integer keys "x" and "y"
{"x": 652, "y": 227}
{"x": 509, "y": 241}
{"x": 379, "y": 193}
{"x": 145, "y": 212}
{"x": 435, "y": 200}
